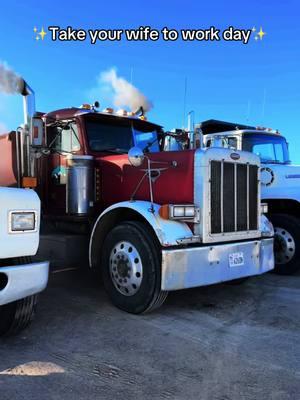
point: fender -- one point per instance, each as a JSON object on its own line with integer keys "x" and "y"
{"x": 18, "y": 244}
{"x": 168, "y": 232}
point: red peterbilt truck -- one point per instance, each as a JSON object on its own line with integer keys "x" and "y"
{"x": 156, "y": 221}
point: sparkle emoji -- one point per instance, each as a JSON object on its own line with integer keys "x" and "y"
{"x": 39, "y": 35}
{"x": 260, "y": 34}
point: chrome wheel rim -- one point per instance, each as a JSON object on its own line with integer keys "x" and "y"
{"x": 126, "y": 269}
{"x": 284, "y": 246}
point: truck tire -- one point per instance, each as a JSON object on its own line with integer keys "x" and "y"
{"x": 131, "y": 268}
{"x": 16, "y": 316}
{"x": 286, "y": 243}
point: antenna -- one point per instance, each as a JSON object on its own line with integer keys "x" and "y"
{"x": 248, "y": 111}
{"x": 263, "y": 106}
{"x": 184, "y": 101}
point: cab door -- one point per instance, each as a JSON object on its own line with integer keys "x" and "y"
{"x": 62, "y": 140}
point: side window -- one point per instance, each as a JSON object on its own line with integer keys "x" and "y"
{"x": 65, "y": 139}
{"x": 278, "y": 149}
{"x": 232, "y": 142}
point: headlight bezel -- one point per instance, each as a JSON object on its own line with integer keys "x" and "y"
{"x": 180, "y": 212}
{"x": 15, "y": 226}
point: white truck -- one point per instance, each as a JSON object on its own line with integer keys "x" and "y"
{"x": 280, "y": 182}
{"x": 20, "y": 278}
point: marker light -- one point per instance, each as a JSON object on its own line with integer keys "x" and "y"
{"x": 86, "y": 106}
{"x": 264, "y": 208}
{"x": 108, "y": 110}
{"x": 122, "y": 113}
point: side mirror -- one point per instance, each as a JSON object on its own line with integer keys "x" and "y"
{"x": 37, "y": 132}
{"x": 136, "y": 156}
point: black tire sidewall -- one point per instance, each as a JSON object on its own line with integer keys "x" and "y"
{"x": 139, "y": 236}
{"x": 7, "y": 316}
{"x": 16, "y": 316}
{"x": 292, "y": 225}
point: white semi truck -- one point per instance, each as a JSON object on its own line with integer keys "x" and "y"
{"x": 280, "y": 182}
{"x": 20, "y": 278}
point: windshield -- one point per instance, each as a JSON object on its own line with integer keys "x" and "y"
{"x": 107, "y": 136}
{"x": 121, "y": 136}
{"x": 270, "y": 148}
{"x": 147, "y": 140}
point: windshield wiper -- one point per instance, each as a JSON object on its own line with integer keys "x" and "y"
{"x": 148, "y": 146}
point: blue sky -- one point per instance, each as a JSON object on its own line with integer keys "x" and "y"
{"x": 225, "y": 80}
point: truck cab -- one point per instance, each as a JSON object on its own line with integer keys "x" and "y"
{"x": 280, "y": 182}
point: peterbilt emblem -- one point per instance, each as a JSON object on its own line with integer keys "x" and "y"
{"x": 235, "y": 156}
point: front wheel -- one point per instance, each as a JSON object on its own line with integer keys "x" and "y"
{"x": 131, "y": 268}
{"x": 16, "y": 316}
{"x": 286, "y": 243}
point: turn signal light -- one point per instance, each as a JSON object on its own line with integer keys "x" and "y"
{"x": 164, "y": 211}
{"x": 29, "y": 182}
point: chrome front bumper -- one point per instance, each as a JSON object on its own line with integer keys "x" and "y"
{"x": 20, "y": 281}
{"x": 199, "y": 266}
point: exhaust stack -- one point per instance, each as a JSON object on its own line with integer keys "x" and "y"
{"x": 28, "y": 105}
{"x": 26, "y": 139}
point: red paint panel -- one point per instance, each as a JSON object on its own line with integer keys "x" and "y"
{"x": 7, "y": 162}
{"x": 174, "y": 185}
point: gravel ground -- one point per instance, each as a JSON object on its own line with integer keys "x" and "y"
{"x": 218, "y": 342}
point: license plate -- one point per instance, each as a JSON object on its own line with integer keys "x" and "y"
{"x": 236, "y": 259}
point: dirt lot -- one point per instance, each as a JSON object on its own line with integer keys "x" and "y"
{"x": 219, "y": 342}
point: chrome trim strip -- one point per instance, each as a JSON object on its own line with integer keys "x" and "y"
{"x": 235, "y": 197}
{"x": 222, "y": 196}
{"x": 248, "y": 216}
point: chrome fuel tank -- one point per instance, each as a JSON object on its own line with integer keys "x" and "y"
{"x": 80, "y": 184}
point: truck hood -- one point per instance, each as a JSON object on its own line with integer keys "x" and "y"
{"x": 119, "y": 180}
{"x": 279, "y": 181}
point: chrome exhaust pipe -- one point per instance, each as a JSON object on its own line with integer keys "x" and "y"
{"x": 27, "y": 161}
{"x": 28, "y": 103}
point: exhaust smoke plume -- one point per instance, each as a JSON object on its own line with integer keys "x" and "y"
{"x": 10, "y": 82}
{"x": 125, "y": 94}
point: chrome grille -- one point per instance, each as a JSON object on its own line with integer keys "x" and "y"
{"x": 233, "y": 197}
